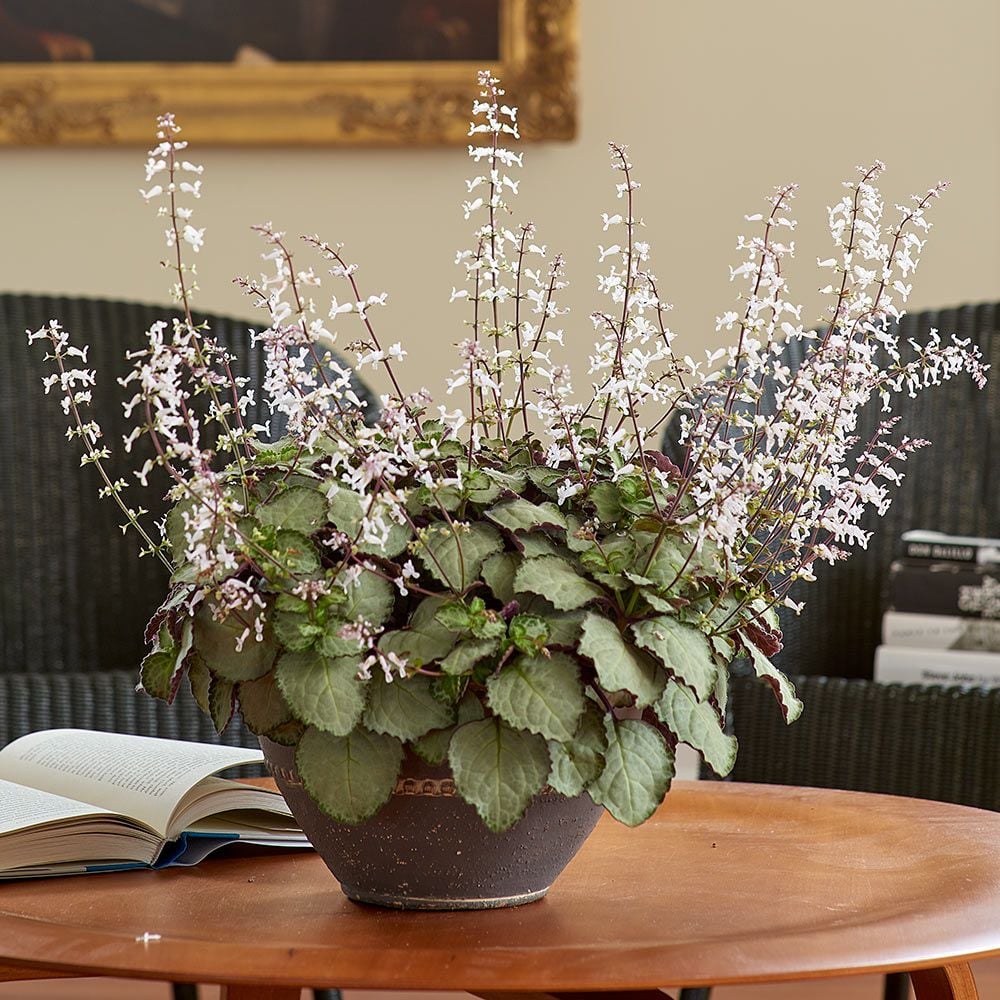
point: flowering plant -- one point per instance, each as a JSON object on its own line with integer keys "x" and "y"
{"x": 523, "y": 586}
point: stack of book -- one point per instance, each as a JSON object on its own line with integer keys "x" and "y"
{"x": 943, "y": 622}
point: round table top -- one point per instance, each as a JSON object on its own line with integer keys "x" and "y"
{"x": 728, "y": 883}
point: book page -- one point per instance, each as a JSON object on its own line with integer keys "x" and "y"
{"x": 138, "y": 776}
{"x": 22, "y": 808}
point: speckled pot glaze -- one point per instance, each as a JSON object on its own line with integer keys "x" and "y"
{"x": 427, "y": 849}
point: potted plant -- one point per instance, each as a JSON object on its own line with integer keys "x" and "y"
{"x": 501, "y": 615}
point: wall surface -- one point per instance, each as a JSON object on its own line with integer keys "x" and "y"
{"x": 719, "y": 101}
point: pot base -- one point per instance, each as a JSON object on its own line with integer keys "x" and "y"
{"x": 395, "y": 902}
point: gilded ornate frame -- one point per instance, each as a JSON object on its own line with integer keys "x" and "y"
{"x": 305, "y": 104}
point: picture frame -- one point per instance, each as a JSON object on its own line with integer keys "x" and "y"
{"x": 307, "y": 103}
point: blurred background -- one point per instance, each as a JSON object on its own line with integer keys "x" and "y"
{"x": 719, "y": 104}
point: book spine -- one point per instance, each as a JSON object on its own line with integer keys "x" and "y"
{"x": 924, "y": 547}
{"x": 901, "y": 628}
{"x": 945, "y": 667}
{"x": 945, "y": 589}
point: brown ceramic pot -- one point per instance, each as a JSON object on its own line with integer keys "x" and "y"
{"x": 427, "y": 849}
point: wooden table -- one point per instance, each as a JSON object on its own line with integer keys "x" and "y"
{"x": 727, "y": 884}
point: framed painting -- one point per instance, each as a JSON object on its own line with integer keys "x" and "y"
{"x": 296, "y": 73}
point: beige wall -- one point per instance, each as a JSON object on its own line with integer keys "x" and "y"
{"x": 720, "y": 101}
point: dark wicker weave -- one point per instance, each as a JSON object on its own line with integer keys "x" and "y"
{"x": 900, "y": 739}
{"x": 74, "y": 596}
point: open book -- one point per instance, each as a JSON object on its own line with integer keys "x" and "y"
{"x": 75, "y": 801}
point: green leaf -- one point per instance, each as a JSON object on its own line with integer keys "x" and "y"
{"x": 200, "y": 680}
{"x": 349, "y": 777}
{"x": 577, "y": 762}
{"x": 724, "y": 649}
{"x": 536, "y": 544}
{"x": 541, "y": 694}
{"x": 294, "y": 630}
{"x": 513, "y": 481}
{"x": 449, "y": 688}
{"x": 697, "y": 723}
{"x": 420, "y": 647}
{"x": 298, "y": 508}
{"x": 346, "y": 509}
{"x": 721, "y": 615}
{"x": 274, "y": 452}
{"x": 455, "y": 554}
{"x": 289, "y": 602}
{"x": 497, "y": 769}
{"x": 579, "y": 538}
{"x": 426, "y": 641}
{"x": 607, "y": 502}
{"x": 565, "y": 628}
{"x": 638, "y": 768}
{"x": 262, "y": 705}
{"x": 174, "y": 526}
{"x": 768, "y": 613}
{"x": 371, "y": 599}
{"x": 634, "y": 494}
{"x": 424, "y": 500}
{"x": 610, "y": 580}
{"x": 221, "y": 702}
{"x": 556, "y": 580}
{"x": 322, "y": 692}
{"x": 454, "y": 616}
{"x": 473, "y": 618}
{"x": 657, "y": 603}
{"x": 216, "y": 644}
{"x": 157, "y": 673}
{"x": 616, "y": 555}
{"x": 479, "y": 488}
{"x": 427, "y": 610}
{"x": 528, "y": 633}
{"x": 433, "y": 747}
{"x": 330, "y": 642}
{"x": 405, "y": 708}
{"x": 683, "y": 649}
{"x": 162, "y": 669}
{"x": 489, "y": 625}
{"x": 294, "y": 555}
{"x": 784, "y": 691}
{"x": 523, "y": 515}
{"x": 287, "y": 734}
{"x": 619, "y": 665}
{"x": 666, "y": 558}
{"x": 545, "y": 479}
{"x": 498, "y": 572}
{"x": 467, "y": 654}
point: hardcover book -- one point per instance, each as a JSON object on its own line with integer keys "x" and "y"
{"x": 902, "y": 628}
{"x": 939, "y": 547}
{"x": 945, "y": 588}
{"x": 937, "y": 666}
{"x": 74, "y": 801}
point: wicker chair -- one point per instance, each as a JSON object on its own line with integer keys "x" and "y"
{"x": 74, "y": 596}
{"x": 924, "y": 742}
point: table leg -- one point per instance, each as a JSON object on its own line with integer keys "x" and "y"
{"x": 950, "y": 982}
{"x": 244, "y": 991}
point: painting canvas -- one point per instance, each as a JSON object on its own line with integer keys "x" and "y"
{"x": 304, "y": 72}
